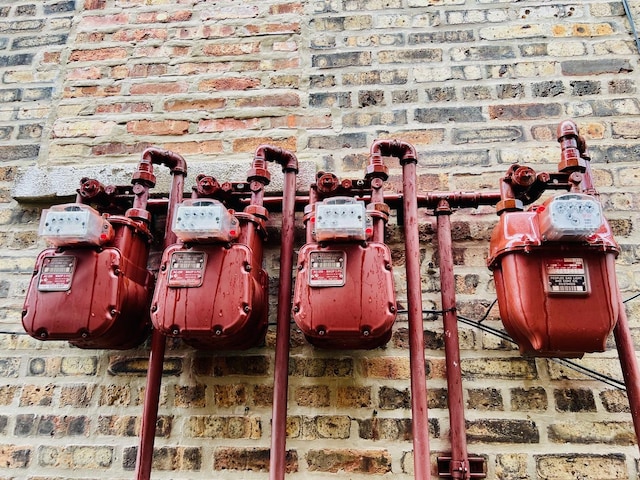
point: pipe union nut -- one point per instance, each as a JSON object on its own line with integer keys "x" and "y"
{"x": 375, "y": 170}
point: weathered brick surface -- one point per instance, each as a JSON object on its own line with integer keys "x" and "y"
{"x": 87, "y": 85}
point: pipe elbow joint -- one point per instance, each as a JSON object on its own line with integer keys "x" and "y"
{"x": 403, "y": 151}
{"x": 174, "y": 161}
{"x": 269, "y": 153}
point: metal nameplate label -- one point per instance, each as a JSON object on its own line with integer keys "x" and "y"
{"x": 56, "y": 274}
{"x": 186, "y": 269}
{"x": 327, "y": 268}
{"x": 566, "y": 275}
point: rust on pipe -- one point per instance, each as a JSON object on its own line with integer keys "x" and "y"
{"x": 459, "y": 466}
{"x": 178, "y": 167}
{"x": 289, "y": 163}
{"x": 629, "y": 364}
{"x": 376, "y": 168}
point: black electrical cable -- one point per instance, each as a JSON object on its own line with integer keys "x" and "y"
{"x": 632, "y": 24}
{"x": 562, "y": 361}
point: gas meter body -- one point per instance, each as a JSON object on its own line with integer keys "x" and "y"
{"x": 344, "y": 294}
{"x": 211, "y": 289}
{"x": 93, "y": 288}
{"x": 554, "y": 272}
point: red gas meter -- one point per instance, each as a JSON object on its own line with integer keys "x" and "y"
{"x": 554, "y": 270}
{"x": 211, "y": 289}
{"x": 344, "y": 294}
{"x": 93, "y": 287}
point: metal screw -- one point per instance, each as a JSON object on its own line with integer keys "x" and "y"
{"x": 387, "y": 266}
{"x": 246, "y": 308}
{"x": 392, "y": 309}
{"x": 154, "y": 308}
{"x": 296, "y": 309}
{"x": 247, "y": 267}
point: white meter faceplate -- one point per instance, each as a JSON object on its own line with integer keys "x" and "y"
{"x": 74, "y": 224}
{"x": 204, "y": 220}
{"x": 572, "y": 216}
{"x": 341, "y": 218}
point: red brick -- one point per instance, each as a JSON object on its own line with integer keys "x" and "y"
{"x": 300, "y": 121}
{"x": 89, "y": 73}
{"x": 237, "y": 83}
{"x": 95, "y": 4}
{"x": 119, "y": 148}
{"x": 125, "y": 107}
{"x": 203, "y": 104}
{"x": 293, "y": 7}
{"x": 98, "y": 54}
{"x": 140, "y": 34}
{"x": 225, "y": 124}
{"x": 225, "y": 49}
{"x": 218, "y": 31}
{"x": 90, "y": 37}
{"x": 194, "y": 148}
{"x": 285, "y": 64}
{"x": 250, "y": 144}
{"x": 159, "y": 127}
{"x": 163, "y": 17}
{"x": 160, "y": 52}
{"x": 158, "y": 88}
{"x": 273, "y": 28}
{"x": 203, "y": 67}
{"x": 95, "y": 91}
{"x": 91, "y": 22}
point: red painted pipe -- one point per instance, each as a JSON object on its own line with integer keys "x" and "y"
{"x": 178, "y": 168}
{"x": 629, "y": 364}
{"x": 420, "y": 423}
{"x": 277, "y": 460}
{"x": 459, "y": 466}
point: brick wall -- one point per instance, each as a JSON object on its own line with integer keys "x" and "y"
{"x": 475, "y": 85}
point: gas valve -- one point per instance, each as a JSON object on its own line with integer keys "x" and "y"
{"x": 344, "y": 294}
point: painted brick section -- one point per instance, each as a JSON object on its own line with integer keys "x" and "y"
{"x": 475, "y": 86}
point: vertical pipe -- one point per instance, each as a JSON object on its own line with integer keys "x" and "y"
{"x": 277, "y": 460}
{"x": 419, "y": 416}
{"x": 150, "y": 410}
{"x": 629, "y": 364}
{"x": 459, "y": 466}
{"x": 144, "y": 459}
{"x": 420, "y": 421}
